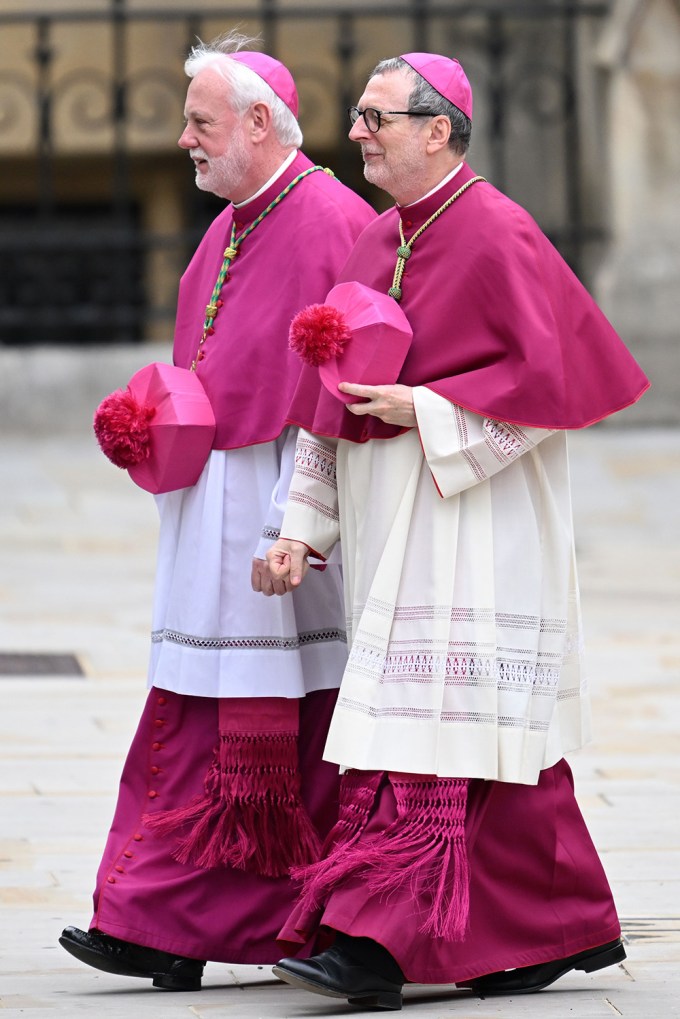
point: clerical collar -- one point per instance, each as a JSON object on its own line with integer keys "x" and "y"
{"x": 275, "y": 176}
{"x": 436, "y": 188}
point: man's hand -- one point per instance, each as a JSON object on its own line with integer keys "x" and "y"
{"x": 262, "y": 580}
{"x": 392, "y": 404}
{"x": 287, "y": 561}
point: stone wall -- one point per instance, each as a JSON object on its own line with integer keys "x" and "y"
{"x": 638, "y": 285}
{"x": 44, "y": 390}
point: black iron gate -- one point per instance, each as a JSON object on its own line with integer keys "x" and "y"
{"x": 78, "y": 259}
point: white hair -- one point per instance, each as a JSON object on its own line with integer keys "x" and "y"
{"x": 247, "y": 87}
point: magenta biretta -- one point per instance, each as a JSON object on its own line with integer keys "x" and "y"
{"x": 358, "y": 335}
{"x": 161, "y": 428}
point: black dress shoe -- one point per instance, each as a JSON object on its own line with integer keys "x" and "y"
{"x": 336, "y": 974}
{"x": 527, "y": 979}
{"x": 171, "y": 972}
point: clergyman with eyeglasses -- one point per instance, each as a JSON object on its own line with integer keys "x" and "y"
{"x": 460, "y": 856}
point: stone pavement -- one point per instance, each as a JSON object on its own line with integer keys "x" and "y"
{"x": 76, "y": 565}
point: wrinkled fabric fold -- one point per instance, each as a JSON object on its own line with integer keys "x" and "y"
{"x": 538, "y": 891}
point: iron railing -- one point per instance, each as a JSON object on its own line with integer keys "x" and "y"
{"x": 79, "y": 265}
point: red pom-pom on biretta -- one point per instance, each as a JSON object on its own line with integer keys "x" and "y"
{"x": 121, "y": 425}
{"x": 318, "y": 333}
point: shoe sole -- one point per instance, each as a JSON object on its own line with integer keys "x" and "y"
{"x": 305, "y": 985}
{"x": 377, "y": 999}
{"x": 164, "y": 981}
{"x": 589, "y": 964}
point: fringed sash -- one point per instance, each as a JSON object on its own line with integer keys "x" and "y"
{"x": 423, "y": 849}
{"x": 251, "y": 815}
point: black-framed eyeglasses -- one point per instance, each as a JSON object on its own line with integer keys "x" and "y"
{"x": 372, "y": 117}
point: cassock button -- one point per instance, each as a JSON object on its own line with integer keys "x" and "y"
{"x": 121, "y": 870}
{"x": 155, "y": 770}
{"x": 138, "y": 837}
{"x": 162, "y": 700}
{"x": 152, "y": 794}
{"x": 111, "y": 880}
{"x": 408, "y": 222}
{"x": 159, "y": 723}
{"x": 156, "y": 746}
{"x": 127, "y": 854}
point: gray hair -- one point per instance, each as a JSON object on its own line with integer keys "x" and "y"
{"x": 247, "y": 87}
{"x": 423, "y": 97}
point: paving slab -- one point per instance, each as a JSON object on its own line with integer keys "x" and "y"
{"x": 77, "y": 553}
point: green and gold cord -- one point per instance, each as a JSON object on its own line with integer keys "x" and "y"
{"x": 232, "y": 251}
{"x": 405, "y": 248}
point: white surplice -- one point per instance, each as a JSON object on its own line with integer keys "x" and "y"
{"x": 212, "y": 635}
{"x": 460, "y": 591}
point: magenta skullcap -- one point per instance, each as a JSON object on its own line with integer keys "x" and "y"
{"x": 445, "y": 75}
{"x": 276, "y": 74}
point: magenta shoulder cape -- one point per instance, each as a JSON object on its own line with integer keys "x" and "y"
{"x": 290, "y": 260}
{"x": 501, "y": 325}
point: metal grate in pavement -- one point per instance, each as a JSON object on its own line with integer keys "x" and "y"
{"x": 33, "y": 664}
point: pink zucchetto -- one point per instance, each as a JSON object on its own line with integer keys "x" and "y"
{"x": 276, "y": 74}
{"x": 445, "y": 75}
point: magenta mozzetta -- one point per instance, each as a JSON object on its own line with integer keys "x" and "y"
{"x": 517, "y": 339}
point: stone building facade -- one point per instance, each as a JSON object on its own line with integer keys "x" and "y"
{"x": 577, "y": 116}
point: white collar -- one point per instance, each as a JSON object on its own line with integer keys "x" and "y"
{"x": 436, "y": 188}
{"x": 275, "y": 176}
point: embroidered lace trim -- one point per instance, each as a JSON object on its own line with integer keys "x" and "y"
{"x": 459, "y": 614}
{"x": 505, "y": 441}
{"x": 316, "y": 461}
{"x": 458, "y": 670}
{"x": 307, "y": 501}
{"x": 508, "y": 651}
{"x": 451, "y": 717}
{"x": 249, "y": 643}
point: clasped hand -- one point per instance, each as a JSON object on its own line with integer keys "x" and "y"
{"x": 392, "y": 404}
{"x": 286, "y": 563}
{"x": 285, "y": 567}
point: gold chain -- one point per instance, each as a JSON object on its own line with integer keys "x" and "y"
{"x": 405, "y": 248}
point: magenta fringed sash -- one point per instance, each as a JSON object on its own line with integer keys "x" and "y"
{"x": 422, "y": 849}
{"x": 251, "y": 815}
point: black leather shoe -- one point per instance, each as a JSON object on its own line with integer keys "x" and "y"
{"x": 171, "y": 972}
{"x": 527, "y": 979}
{"x": 336, "y": 975}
